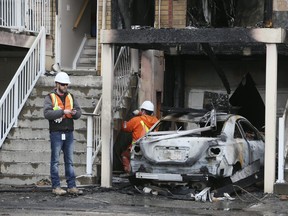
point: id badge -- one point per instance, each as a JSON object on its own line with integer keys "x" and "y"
{"x": 63, "y": 136}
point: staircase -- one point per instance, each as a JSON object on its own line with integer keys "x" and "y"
{"x": 25, "y": 154}
{"x": 87, "y": 58}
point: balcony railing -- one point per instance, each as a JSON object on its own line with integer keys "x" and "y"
{"x": 25, "y": 15}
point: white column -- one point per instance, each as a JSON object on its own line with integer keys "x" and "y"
{"x": 106, "y": 116}
{"x": 270, "y": 117}
{"x": 134, "y": 60}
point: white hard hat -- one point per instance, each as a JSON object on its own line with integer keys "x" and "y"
{"x": 62, "y": 77}
{"x": 147, "y": 105}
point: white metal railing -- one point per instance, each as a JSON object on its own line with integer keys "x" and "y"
{"x": 25, "y": 15}
{"x": 21, "y": 85}
{"x": 282, "y": 144}
{"x": 93, "y": 136}
{"x": 122, "y": 77}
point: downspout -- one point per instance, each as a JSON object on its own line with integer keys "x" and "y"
{"x": 159, "y": 14}
{"x": 104, "y": 14}
{"x": 56, "y": 66}
{"x": 170, "y": 14}
{"x": 104, "y": 8}
{"x": 97, "y": 37}
{"x": 268, "y": 13}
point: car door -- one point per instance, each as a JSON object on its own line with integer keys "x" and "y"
{"x": 254, "y": 141}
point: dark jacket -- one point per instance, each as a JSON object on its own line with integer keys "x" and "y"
{"x": 65, "y": 124}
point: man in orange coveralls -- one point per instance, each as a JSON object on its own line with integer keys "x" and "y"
{"x": 138, "y": 125}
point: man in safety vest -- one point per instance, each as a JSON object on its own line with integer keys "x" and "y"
{"x": 61, "y": 109}
{"x": 138, "y": 125}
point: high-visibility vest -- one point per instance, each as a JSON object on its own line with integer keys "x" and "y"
{"x": 145, "y": 130}
{"x": 57, "y": 103}
{"x": 144, "y": 126}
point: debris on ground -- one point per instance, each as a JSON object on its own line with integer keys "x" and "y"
{"x": 43, "y": 182}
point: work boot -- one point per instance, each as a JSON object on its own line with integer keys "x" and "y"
{"x": 59, "y": 191}
{"x": 74, "y": 191}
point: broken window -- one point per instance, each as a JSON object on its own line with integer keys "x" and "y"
{"x": 225, "y": 13}
{"x": 249, "y": 132}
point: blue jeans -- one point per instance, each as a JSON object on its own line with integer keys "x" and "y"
{"x": 67, "y": 146}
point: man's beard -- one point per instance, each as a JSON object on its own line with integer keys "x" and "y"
{"x": 61, "y": 91}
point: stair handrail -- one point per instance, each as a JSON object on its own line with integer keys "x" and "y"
{"x": 282, "y": 144}
{"x": 93, "y": 136}
{"x": 22, "y": 84}
{"x": 122, "y": 76}
{"x": 25, "y": 15}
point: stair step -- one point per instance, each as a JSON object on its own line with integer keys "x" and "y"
{"x": 77, "y": 91}
{"x": 89, "y": 51}
{"x": 86, "y": 81}
{"x": 86, "y": 66}
{"x": 83, "y": 101}
{"x": 39, "y": 168}
{"x": 39, "y": 145}
{"x": 87, "y": 60}
{"x": 91, "y": 42}
{"x": 19, "y": 179}
{"x": 38, "y": 157}
{"x": 32, "y": 179}
{"x": 88, "y": 71}
{"x": 40, "y": 134}
{"x": 44, "y": 124}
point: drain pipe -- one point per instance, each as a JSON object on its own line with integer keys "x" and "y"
{"x": 97, "y": 37}
{"x": 268, "y": 13}
{"x": 159, "y": 14}
{"x": 56, "y": 66}
{"x": 104, "y": 8}
{"x": 281, "y": 150}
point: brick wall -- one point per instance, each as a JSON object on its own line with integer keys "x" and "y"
{"x": 108, "y": 26}
{"x": 172, "y": 13}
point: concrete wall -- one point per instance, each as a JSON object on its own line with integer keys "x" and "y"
{"x": 71, "y": 39}
{"x": 152, "y": 76}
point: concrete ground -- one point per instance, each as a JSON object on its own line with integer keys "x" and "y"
{"x": 124, "y": 199}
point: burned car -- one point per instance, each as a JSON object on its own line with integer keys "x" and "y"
{"x": 197, "y": 150}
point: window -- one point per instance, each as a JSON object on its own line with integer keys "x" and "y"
{"x": 249, "y": 131}
{"x": 237, "y": 133}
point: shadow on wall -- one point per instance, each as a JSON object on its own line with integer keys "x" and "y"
{"x": 249, "y": 101}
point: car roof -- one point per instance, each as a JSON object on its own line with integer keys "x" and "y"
{"x": 194, "y": 117}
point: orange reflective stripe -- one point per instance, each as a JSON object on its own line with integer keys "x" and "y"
{"x": 57, "y": 103}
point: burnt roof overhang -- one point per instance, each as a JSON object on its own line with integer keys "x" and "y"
{"x": 227, "y": 40}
